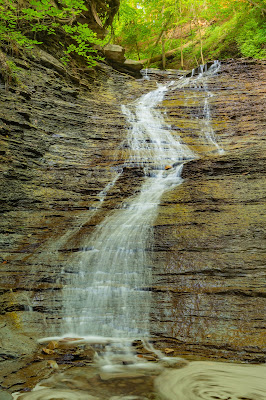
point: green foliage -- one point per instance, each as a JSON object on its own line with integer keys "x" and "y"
{"x": 130, "y": 26}
{"x": 8, "y": 70}
{"x": 83, "y": 37}
{"x": 9, "y": 32}
{"x": 195, "y": 28}
{"x": 198, "y": 28}
{"x": 20, "y": 27}
{"x": 252, "y": 38}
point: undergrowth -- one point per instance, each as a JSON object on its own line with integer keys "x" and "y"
{"x": 28, "y": 23}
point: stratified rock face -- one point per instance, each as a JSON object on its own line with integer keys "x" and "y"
{"x": 61, "y": 144}
{"x": 210, "y": 231}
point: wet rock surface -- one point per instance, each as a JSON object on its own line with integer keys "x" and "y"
{"x": 60, "y": 146}
{"x": 62, "y": 143}
{"x": 211, "y": 230}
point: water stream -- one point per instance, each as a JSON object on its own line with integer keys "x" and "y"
{"x": 109, "y": 295}
{"x": 213, "y": 380}
{"x": 198, "y": 380}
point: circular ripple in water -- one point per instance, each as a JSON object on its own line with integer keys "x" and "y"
{"x": 213, "y": 381}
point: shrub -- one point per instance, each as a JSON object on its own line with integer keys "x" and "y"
{"x": 20, "y": 26}
{"x": 251, "y": 38}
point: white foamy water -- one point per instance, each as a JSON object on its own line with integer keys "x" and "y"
{"x": 207, "y": 128}
{"x": 108, "y": 292}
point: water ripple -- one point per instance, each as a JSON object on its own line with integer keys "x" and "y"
{"x": 213, "y": 381}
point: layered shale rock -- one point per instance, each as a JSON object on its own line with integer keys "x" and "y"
{"x": 61, "y": 142}
{"x": 62, "y": 149}
{"x": 210, "y": 231}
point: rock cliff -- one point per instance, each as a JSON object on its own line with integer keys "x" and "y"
{"x": 211, "y": 230}
{"x": 60, "y": 143}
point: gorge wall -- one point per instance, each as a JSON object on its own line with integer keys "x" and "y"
{"x": 60, "y": 143}
{"x": 210, "y": 231}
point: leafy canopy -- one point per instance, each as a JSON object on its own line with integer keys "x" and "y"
{"x": 21, "y": 23}
{"x": 196, "y": 28}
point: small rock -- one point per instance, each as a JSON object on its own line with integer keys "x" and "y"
{"x": 67, "y": 357}
{"x": 53, "y": 364}
{"x": 52, "y": 345}
{"x": 168, "y": 167}
{"x": 47, "y": 351}
{"x": 168, "y": 351}
{"x": 87, "y": 353}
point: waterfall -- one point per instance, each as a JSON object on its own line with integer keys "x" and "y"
{"x": 108, "y": 295}
{"x": 206, "y": 128}
{"x": 110, "y": 289}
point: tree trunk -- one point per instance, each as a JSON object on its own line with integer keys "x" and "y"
{"x": 168, "y": 54}
{"x": 181, "y": 36}
{"x": 200, "y": 35}
{"x": 255, "y": 4}
{"x": 159, "y": 37}
{"x": 181, "y": 49}
{"x": 137, "y": 50}
{"x": 163, "y": 51}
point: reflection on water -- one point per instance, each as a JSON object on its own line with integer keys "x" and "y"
{"x": 187, "y": 381}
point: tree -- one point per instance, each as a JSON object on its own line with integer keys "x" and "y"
{"x": 206, "y": 29}
{"x": 23, "y": 27}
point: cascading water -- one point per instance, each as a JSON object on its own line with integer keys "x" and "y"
{"x": 109, "y": 295}
{"x": 199, "y": 80}
{"x": 109, "y": 290}
{"x": 207, "y": 129}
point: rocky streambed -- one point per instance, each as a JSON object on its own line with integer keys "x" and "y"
{"x": 61, "y": 145}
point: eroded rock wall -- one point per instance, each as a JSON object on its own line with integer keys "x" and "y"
{"x": 61, "y": 140}
{"x": 210, "y": 231}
